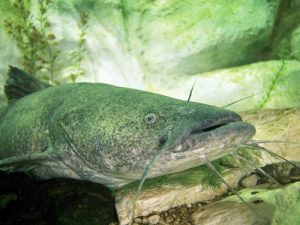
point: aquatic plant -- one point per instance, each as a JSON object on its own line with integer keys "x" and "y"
{"x": 33, "y": 37}
{"x": 274, "y": 81}
{"x": 31, "y": 30}
{"x": 78, "y": 53}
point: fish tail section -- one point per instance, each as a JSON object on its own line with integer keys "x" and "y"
{"x": 20, "y": 84}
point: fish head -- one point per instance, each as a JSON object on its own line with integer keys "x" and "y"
{"x": 201, "y": 132}
{"x": 138, "y": 126}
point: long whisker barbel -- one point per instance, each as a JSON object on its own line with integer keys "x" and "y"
{"x": 258, "y": 147}
{"x": 143, "y": 179}
{"x": 238, "y": 156}
{"x": 191, "y": 91}
{"x": 218, "y": 175}
{"x": 239, "y": 100}
{"x": 278, "y": 156}
{"x": 273, "y": 141}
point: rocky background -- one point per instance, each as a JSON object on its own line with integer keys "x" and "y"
{"x": 231, "y": 51}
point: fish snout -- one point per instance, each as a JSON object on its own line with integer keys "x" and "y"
{"x": 222, "y": 129}
{"x": 215, "y": 121}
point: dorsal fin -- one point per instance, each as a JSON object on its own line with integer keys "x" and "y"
{"x": 20, "y": 84}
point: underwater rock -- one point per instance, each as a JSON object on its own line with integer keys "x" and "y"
{"x": 154, "y": 219}
{"x": 279, "y": 206}
{"x": 285, "y": 40}
{"x": 185, "y": 188}
{"x": 269, "y": 84}
{"x": 54, "y": 202}
{"x": 137, "y": 44}
{"x": 280, "y": 126}
{"x": 228, "y": 213}
{"x": 167, "y": 195}
{"x": 209, "y": 34}
{"x": 127, "y": 39}
{"x": 295, "y": 43}
{"x": 249, "y": 181}
{"x": 287, "y": 203}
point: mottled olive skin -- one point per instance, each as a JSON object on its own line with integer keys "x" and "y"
{"x": 97, "y": 132}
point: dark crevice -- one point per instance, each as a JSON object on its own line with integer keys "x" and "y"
{"x": 213, "y": 127}
{"x": 201, "y": 130}
{"x": 286, "y": 21}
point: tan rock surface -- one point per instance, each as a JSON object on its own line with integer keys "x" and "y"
{"x": 277, "y": 125}
{"x": 225, "y": 213}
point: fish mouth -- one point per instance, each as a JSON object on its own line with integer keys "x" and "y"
{"x": 211, "y": 137}
{"x": 212, "y": 124}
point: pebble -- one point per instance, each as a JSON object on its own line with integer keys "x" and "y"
{"x": 176, "y": 222}
{"x": 180, "y": 215}
{"x": 137, "y": 220}
{"x": 154, "y": 219}
{"x": 145, "y": 220}
{"x": 169, "y": 219}
{"x": 250, "y": 181}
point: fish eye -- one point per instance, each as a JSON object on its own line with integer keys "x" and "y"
{"x": 150, "y": 118}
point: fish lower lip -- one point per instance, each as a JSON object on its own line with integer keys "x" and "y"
{"x": 233, "y": 133}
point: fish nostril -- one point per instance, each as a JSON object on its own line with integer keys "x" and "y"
{"x": 163, "y": 139}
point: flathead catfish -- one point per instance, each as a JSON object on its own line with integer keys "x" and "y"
{"x": 108, "y": 134}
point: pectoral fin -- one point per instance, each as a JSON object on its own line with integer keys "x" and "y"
{"x": 25, "y": 162}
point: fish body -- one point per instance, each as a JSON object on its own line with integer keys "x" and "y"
{"x": 108, "y": 134}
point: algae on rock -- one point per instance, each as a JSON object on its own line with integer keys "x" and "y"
{"x": 281, "y": 205}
